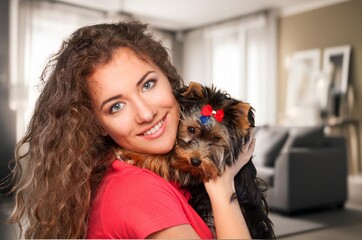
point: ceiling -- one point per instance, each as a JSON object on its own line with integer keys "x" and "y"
{"x": 179, "y": 15}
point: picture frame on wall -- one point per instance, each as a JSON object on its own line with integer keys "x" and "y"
{"x": 302, "y": 78}
{"x": 336, "y": 62}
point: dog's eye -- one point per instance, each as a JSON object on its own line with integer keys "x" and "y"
{"x": 191, "y": 130}
{"x": 216, "y": 138}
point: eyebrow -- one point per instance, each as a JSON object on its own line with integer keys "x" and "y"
{"x": 139, "y": 82}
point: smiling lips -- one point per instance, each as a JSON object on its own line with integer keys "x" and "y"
{"x": 154, "y": 129}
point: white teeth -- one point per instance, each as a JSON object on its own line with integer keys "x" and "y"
{"x": 154, "y": 129}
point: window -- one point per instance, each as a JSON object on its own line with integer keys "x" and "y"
{"x": 239, "y": 57}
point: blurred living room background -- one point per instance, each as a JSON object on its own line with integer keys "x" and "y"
{"x": 297, "y": 62}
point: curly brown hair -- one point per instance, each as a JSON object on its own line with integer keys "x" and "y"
{"x": 63, "y": 155}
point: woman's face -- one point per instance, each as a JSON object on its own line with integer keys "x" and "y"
{"x": 134, "y": 104}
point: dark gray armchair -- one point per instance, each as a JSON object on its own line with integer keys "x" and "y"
{"x": 304, "y": 168}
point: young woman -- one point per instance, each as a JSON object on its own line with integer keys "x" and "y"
{"x": 111, "y": 85}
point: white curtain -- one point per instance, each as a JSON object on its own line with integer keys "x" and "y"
{"x": 238, "y": 56}
{"x": 38, "y": 29}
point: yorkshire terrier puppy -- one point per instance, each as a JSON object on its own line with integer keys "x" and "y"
{"x": 212, "y": 130}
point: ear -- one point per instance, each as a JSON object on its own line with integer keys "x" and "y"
{"x": 194, "y": 90}
{"x": 246, "y": 117}
{"x": 243, "y": 108}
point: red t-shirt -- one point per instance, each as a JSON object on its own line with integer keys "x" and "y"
{"x": 133, "y": 203}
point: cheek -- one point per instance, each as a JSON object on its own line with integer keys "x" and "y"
{"x": 176, "y": 111}
{"x": 167, "y": 100}
{"x": 171, "y": 101}
{"x": 117, "y": 128}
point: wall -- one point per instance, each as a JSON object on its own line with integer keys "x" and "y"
{"x": 7, "y": 117}
{"x": 335, "y": 25}
{"x": 330, "y": 26}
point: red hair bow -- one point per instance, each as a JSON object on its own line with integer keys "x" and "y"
{"x": 207, "y": 111}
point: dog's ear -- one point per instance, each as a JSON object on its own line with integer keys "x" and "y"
{"x": 194, "y": 90}
{"x": 243, "y": 108}
{"x": 246, "y": 115}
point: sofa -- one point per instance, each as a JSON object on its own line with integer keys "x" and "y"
{"x": 303, "y": 168}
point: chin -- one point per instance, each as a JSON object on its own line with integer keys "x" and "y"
{"x": 163, "y": 148}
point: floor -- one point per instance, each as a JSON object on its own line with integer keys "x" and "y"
{"x": 348, "y": 232}
{"x": 345, "y": 232}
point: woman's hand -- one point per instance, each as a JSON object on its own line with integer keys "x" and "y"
{"x": 229, "y": 220}
{"x": 226, "y": 180}
{"x": 243, "y": 158}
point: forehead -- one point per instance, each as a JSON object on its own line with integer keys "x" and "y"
{"x": 124, "y": 64}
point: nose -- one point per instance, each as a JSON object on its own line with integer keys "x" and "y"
{"x": 145, "y": 112}
{"x": 195, "y": 162}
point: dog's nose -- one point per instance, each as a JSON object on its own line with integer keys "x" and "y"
{"x": 195, "y": 162}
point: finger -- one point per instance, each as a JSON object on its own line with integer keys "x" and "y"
{"x": 246, "y": 146}
{"x": 252, "y": 145}
{"x": 245, "y": 154}
{"x": 252, "y": 132}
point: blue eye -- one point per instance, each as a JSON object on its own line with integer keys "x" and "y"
{"x": 116, "y": 107}
{"x": 149, "y": 84}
